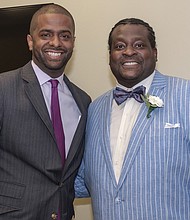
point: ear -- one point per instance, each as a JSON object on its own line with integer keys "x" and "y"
{"x": 74, "y": 41}
{"x": 155, "y": 54}
{"x": 30, "y": 42}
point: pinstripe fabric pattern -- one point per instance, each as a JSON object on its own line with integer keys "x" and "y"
{"x": 155, "y": 178}
{"x": 32, "y": 180}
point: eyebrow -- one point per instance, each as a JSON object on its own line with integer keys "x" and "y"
{"x": 60, "y": 31}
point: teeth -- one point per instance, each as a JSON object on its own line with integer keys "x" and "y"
{"x": 53, "y": 54}
{"x": 129, "y": 63}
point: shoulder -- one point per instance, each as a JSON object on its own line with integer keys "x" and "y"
{"x": 177, "y": 81}
{"x": 7, "y": 79}
{"x": 100, "y": 99}
{"x": 76, "y": 91}
{"x": 172, "y": 82}
{"x": 172, "y": 78}
{"x": 101, "y": 102}
{"x": 178, "y": 85}
{"x": 11, "y": 75}
{"x": 177, "y": 91}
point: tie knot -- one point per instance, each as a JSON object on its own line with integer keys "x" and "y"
{"x": 54, "y": 83}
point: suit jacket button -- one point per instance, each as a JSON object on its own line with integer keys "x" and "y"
{"x": 60, "y": 184}
{"x": 54, "y": 216}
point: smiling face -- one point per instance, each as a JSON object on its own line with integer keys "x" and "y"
{"x": 52, "y": 42}
{"x": 132, "y": 58}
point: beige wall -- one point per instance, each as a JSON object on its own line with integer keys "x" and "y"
{"x": 94, "y": 18}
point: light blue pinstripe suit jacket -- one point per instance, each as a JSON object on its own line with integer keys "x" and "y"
{"x": 155, "y": 178}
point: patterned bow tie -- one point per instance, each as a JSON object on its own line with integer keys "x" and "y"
{"x": 121, "y": 95}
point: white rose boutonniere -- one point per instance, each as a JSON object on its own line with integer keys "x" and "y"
{"x": 152, "y": 102}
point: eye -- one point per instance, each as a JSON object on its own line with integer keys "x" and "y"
{"x": 45, "y": 35}
{"x": 65, "y": 36}
{"x": 119, "y": 46}
{"x": 139, "y": 45}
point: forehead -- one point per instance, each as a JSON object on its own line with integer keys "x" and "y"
{"x": 130, "y": 30}
{"x": 54, "y": 22}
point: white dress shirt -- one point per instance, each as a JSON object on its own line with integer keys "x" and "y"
{"x": 123, "y": 118}
{"x": 70, "y": 112}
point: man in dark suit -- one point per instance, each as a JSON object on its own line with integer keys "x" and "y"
{"x": 36, "y": 183}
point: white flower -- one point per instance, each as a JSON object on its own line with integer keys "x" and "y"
{"x": 152, "y": 102}
{"x": 156, "y": 101}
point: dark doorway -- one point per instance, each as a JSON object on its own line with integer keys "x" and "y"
{"x": 14, "y": 26}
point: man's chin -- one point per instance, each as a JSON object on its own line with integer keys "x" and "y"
{"x": 130, "y": 75}
{"x": 55, "y": 65}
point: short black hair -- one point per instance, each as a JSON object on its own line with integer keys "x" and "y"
{"x": 136, "y": 21}
{"x": 50, "y": 9}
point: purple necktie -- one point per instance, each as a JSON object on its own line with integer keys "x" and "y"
{"x": 56, "y": 119}
{"x": 57, "y": 124}
{"x": 120, "y": 95}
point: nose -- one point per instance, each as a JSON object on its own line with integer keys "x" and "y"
{"x": 55, "y": 41}
{"x": 129, "y": 51}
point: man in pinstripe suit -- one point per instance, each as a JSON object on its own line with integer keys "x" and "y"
{"x": 137, "y": 162}
{"x": 35, "y": 183}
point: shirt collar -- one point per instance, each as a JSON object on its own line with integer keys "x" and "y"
{"x": 43, "y": 77}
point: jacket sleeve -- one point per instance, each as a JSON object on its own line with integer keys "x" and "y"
{"x": 81, "y": 190}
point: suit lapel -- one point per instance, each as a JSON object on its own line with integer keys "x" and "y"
{"x": 105, "y": 133}
{"x": 142, "y": 124}
{"x": 34, "y": 93}
{"x": 77, "y": 139}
